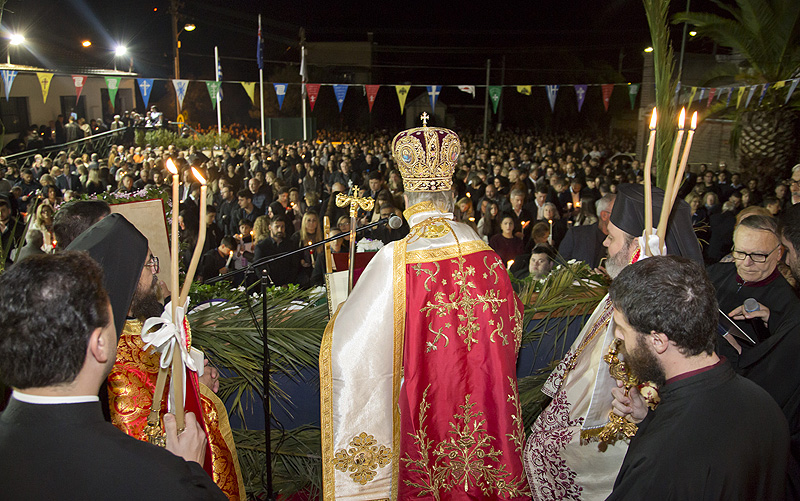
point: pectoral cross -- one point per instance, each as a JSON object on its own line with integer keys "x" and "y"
{"x": 424, "y": 117}
{"x": 354, "y": 201}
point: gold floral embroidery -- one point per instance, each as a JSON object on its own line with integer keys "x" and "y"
{"x": 431, "y": 274}
{"x": 517, "y": 329}
{"x": 499, "y": 331}
{"x": 491, "y": 268}
{"x": 447, "y": 252}
{"x": 433, "y": 227}
{"x": 466, "y": 459}
{"x": 362, "y": 458}
{"x": 431, "y": 345}
{"x": 518, "y": 436}
{"x": 425, "y": 206}
{"x": 464, "y": 303}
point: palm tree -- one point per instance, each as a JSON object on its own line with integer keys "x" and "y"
{"x": 766, "y": 34}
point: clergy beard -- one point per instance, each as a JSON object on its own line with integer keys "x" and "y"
{"x": 615, "y": 263}
{"x": 145, "y": 303}
{"x": 643, "y": 364}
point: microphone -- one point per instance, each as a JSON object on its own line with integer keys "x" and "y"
{"x": 395, "y": 222}
{"x": 751, "y": 305}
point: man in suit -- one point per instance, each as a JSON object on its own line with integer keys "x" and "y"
{"x": 54, "y": 411}
{"x": 585, "y": 243}
{"x": 69, "y": 181}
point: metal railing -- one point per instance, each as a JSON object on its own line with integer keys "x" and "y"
{"x": 98, "y": 143}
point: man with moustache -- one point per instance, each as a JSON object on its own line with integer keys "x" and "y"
{"x": 563, "y": 459}
{"x": 714, "y": 434}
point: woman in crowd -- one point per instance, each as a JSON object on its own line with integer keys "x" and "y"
{"x": 507, "y": 246}
{"x": 586, "y": 213}
{"x": 43, "y": 222}
{"x": 260, "y": 229}
{"x": 93, "y": 183}
{"x": 310, "y": 233}
{"x": 489, "y": 225}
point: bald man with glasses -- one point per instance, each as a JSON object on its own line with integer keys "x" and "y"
{"x": 773, "y": 320}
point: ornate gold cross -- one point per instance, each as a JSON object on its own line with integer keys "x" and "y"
{"x": 354, "y": 201}
{"x": 424, "y": 117}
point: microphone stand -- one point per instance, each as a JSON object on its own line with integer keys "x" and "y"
{"x": 264, "y": 281}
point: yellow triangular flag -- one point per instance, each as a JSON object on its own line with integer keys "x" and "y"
{"x": 691, "y": 97}
{"x": 250, "y": 88}
{"x": 739, "y": 97}
{"x": 44, "y": 81}
{"x": 402, "y": 94}
{"x": 780, "y": 84}
{"x": 524, "y": 89}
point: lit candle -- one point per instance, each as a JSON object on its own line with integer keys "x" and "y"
{"x": 54, "y": 244}
{"x": 673, "y": 164}
{"x": 685, "y": 158}
{"x": 228, "y": 262}
{"x": 173, "y": 279}
{"x": 469, "y": 195}
{"x": 312, "y": 253}
{"x": 648, "y": 188}
{"x": 510, "y": 262}
{"x": 578, "y": 204}
{"x": 569, "y": 205}
{"x": 201, "y": 240}
{"x": 551, "y": 229}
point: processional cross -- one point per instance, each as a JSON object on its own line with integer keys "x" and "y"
{"x": 354, "y": 201}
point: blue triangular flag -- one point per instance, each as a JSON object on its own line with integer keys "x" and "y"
{"x": 580, "y": 92}
{"x": 552, "y": 91}
{"x": 8, "y": 80}
{"x": 730, "y": 93}
{"x": 180, "y": 90}
{"x": 340, "y": 90}
{"x": 791, "y": 89}
{"x": 433, "y": 93}
{"x": 763, "y": 93}
{"x": 280, "y": 91}
{"x": 145, "y": 85}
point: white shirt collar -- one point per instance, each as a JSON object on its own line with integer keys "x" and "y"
{"x": 67, "y": 399}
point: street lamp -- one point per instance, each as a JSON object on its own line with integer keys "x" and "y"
{"x": 177, "y": 42}
{"x": 648, "y": 49}
{"x": 119, "y": 51}
{"x": 86, "y": 43}
{"x": 16, "y": 39}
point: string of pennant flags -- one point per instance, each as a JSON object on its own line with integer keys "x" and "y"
{"x": 686, "y": 94}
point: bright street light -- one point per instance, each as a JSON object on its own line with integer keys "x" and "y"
{"x": 692, "y": 33}
{"x": 190, "y": 27}
{"x": 649, "y": 49}
{"x": 16, "y": 39}
{"x": 86, "y": 43}
{"x": 120, "y": 51}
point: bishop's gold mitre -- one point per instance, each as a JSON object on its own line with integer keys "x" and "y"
{"x": 426, "y": 157}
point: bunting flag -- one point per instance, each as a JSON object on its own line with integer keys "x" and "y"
{"x": 112, "y": 83}
{"x": 524, "y": 89}
{"x": 580, "y": 93}
{"x": 552, "y": 91}
{"x": 730, "y": 93}
{"x": 711, "y": 93}
{"x": 313, "y": 91}
{"x": 8, "y": 80}
{"x": 402, "y": 94}
{"x": 79, "y": 81}
{"x": 494, "y": 96}
{"x": 145, "y": 86}
{"x": 763, "y": 93}
{"x": 250, "y": 88}
{"x": 691, "y": 95}
{"x": 44, "y": 81}
{"x": 433, "y": 92}
{"x": 219, "y": 79}
{"x": 750, "y": 95}
{"x": 180, "y": 91}
{"x": 739, "y": 97}
{"x": 607, "y": 90}
{"x": 469, "y": 89}
{"x": 303, "y": 69}
{"x": 341, "y": 91}
{"x": 702, "y": 93}
{"x": 633, "y": 91}
{"x": 791, "y": 89}
{"x": 213, "y": 91}
{"x": 372, "y": 91}
{"x": 280, "y": 91}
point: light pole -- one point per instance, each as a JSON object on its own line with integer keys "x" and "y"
{"x": 176, "y": 43}
{"x": 16, "y": 39}
{"x": 119, "y": 51}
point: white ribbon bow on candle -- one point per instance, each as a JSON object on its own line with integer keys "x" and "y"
{"x": 167, "y": 336}
{"x": 653, "y": 241}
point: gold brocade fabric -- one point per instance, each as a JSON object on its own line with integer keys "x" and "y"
{"x": 131, "y": 384}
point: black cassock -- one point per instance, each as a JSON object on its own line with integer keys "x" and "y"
{"x": 714, "y": 436}
{"x": 773, "y": 363}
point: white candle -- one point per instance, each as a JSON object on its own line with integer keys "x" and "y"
{"x": 551, "y": 229}
{"x": 175, "y": 247}
{"x": 228, "y": 262}
{"x": 201, "y": 239}
{"x": 648, "y": 188}
{"x": 673, "y": 164}
{"x": 685, "y": 158}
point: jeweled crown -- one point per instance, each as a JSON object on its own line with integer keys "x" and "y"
{"x": 426, "y": 157}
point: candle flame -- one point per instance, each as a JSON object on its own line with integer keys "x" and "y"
{"x": 230, "y": 253}
{"x": 171, "y": 167}
{"x": 550, "y": 221}
{"x": 199, "y": 176}
{"x": 510, "y": 262}
{"x": 694, "y": 120}
{"x": 472, "y": 219}
{"x": 653, "y": 119}
{"x": 469, "y": 195}
{"x": 682, "y": 118}
{"x": 252, "y": 233}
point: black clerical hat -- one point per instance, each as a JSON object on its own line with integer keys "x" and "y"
{"x": 121, "y": 250}
{"x": 628, "y": 215}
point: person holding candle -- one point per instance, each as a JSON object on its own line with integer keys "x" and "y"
{"x": 507, "y": 245}
{"x": 217, "y": 261}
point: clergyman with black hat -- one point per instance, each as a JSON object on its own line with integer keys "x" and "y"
{"x": 563, "y": 458}
{"x": 421, "y": 357}
{"x": 122, "y": 251}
